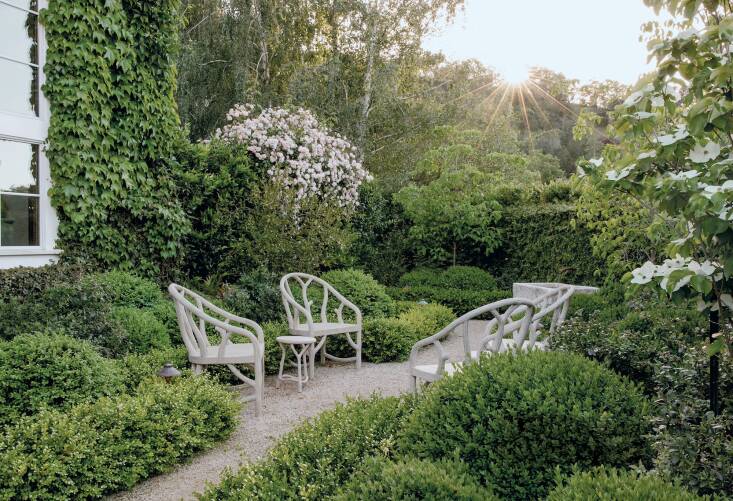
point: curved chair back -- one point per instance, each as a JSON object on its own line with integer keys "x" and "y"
{"x": 514, "y": 312}
{"x": 555, "y": 302}
{"x": 195, "y": 314}
{"x": 299, "y": 307}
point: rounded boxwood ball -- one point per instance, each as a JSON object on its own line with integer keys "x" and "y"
{"x": 382, "y": 480}
{"x": 514, "y": 418}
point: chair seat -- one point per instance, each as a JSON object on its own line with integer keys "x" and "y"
{"x": 296, "y": 339}
{"x": 235, "y": 353}
{"x": 323, "y": 329}
{"x": 429, "y": 372}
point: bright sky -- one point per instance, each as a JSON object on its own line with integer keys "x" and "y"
{"x": 584, "y": 39}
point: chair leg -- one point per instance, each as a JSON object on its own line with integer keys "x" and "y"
{"x": 312, "y": 359}
{"x": 413, "y": 384}
{"x": 259, "y": 386}
{"x": 298, "y": 360}
{"x": 358, "y": 350}
{"x": 323, "y": 351}
{"x": 282, "y": 364}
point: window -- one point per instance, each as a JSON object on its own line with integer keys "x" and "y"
{"x": 27, "y": 222}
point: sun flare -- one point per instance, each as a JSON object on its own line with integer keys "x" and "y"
{"x": 515, "y": 75}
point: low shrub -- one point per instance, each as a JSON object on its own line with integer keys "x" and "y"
{"x": 256, "y": 296}
{"x": 113, "y": 443}
{"x": 312, "y": 461}
{"x": 127, "y": 290}
{"x": 51, "y": 370}
{"x": 459, "y": 300}
{"x": 453, "y": 277}
{"x": 137, "y": 367}
{"x": 610, "y": 483}
{"x": 361, "y": 289}
{"x": 694, "y": 446}
{"x": 390, "y": 339}
{"x": 143, "y": 330}
{"x": 381, "y": 480}
{"x": 22, "y": 282}
{"x": 514, "y": 418}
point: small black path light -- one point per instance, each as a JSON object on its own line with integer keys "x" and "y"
{"x": 169, "y": 372}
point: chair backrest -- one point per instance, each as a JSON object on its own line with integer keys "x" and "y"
{"x": 516, "y": 312}
{"x": 555, "y": 302}
{"x": 195, "y": 314}
{"x": 298, "y": 306}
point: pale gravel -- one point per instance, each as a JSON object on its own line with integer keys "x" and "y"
{"x": 283, "y": 410}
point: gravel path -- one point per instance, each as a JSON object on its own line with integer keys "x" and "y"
{"x": 283, "y": 409}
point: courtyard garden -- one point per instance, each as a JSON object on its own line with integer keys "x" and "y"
{"x": 191, "y": 181}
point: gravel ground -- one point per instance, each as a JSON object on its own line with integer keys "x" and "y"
{"x": 283, "y": 410}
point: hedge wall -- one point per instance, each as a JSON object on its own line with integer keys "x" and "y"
{"x": 110, "y": 80}
{"x": 543, "y": 243}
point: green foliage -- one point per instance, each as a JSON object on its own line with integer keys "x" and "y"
{"x": 361, "y": 289}
{"x": 284, "y": 234}
{"x": 256, "y": 296}
{"x": 541, "y": 243}
{"x": 453, "y": 277}
{"x": 608, "y": 484}
{"x": 138, "y": 367}
{"x": 20, "y": 283}
{"x": 113, "y": 443}
{"x": 514, "y": 418}
{"x": 216, "y": 181}
{"x": 381, "y": 480}
{"x": 453, "y": 216}
{"x": 143, "y": 331}
{"x": 380, "y": 246}
{"x": 630, "y": 337}
{"x": 694, "y": 446}
{"x": 313, "y": 460}
{"x": 127, "y": 290}
{"x": 51, "y": 371}
{"x": 110, "y": 81}
{"x": 459, "y": 300}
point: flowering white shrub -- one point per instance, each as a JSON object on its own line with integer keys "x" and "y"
{"x": 305, "y": 156}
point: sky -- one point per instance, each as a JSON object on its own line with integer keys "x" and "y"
{"x": 584, "y": 39}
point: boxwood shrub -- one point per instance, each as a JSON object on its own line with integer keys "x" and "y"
{"x": 143, "y": 331}
{"x": 453, "y": 277}
{"x": 113, "y": 443}
{"x": 382, "y": 480}
{"x": 52, "y": 370}
{"x": 314, "y": 460}
{"x": 361, "y": 289}
{"x": 459, "y": 300}
{"x": 610, "y": 483}
{"x": 514, "y": 418}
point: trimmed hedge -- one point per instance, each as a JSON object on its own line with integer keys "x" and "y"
{"x": 514, "y": 418}
{"x": 113, "y": 443}
{"x": 361, "y": 289}
{"x": 312, "y": 461}
{"x": 612, "y": 484}
{"x": 256, "y": 296}
{"x": 453, "y": 277}
{"x": 459, "y": 300}
{"x": 381, "y": 480}
{"x": 143, "y": 330}
{"x": 544, "y": 243}
{"x": 52, "y": 371}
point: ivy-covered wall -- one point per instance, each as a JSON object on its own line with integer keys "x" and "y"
{"x": 110, "y": 81}
{"x": 544, "y": 243}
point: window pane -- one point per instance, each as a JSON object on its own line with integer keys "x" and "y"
{"x": 18, "y": 167}
{"x": 18, "y": 34}
{"x": 18, "y": 88}
{"x": 18, "y": 220}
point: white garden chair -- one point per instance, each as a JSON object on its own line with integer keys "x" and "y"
{"x": 553, "y": 302}
{"x": 298, "y": 308}
{"x": 195, "y": 315}
{"x": 516, "y": 312}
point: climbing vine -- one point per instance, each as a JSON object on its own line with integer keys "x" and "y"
{"x": 110, "y": 80}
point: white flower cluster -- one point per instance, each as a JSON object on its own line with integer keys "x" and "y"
{"x": 304, "y": 156}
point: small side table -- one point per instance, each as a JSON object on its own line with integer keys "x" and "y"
{"x": 302, "y": 355}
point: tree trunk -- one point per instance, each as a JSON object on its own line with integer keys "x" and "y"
{"x": 371, "y": 47}
{"x": 263, "y": 65}
{"x": 714, "y": 328}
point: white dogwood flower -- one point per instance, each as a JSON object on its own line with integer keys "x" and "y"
{"x": 644, "y": 274}
{"x": 614, "y": 175}
{"x": 704, "y": 153}
{"x": 668, "y": 139}
{"x": 683, "y": 176}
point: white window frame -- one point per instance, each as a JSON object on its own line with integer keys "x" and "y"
{"x": 33, "y": 130}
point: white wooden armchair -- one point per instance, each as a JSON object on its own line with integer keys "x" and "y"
{"x": 298, "y": 308}
{"x": 514, "y": 312}
{"x": 195, "y": 314}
